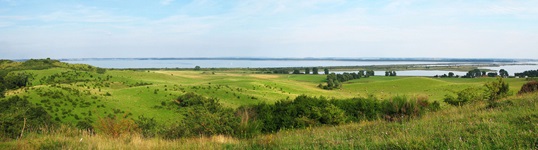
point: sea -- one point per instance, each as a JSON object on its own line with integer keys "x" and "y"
{"x": 137, "y": 63}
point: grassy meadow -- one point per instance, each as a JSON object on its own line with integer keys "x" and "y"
{"x": 72, "y": 95}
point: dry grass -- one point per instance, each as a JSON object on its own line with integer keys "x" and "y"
{"x": 69, "y": 138}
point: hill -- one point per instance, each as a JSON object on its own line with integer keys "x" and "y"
{"x": 76, "y": 96}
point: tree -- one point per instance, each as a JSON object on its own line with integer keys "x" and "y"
{"x": 370, "y": 73}
{"x": 474, "y": 73}
{"x": 361, "y": 73}
{"x": 393, "y": 73}
{"x": 15, "y": 80}
{"x": 451, "y": 74}
{"x": 315, "y": 70}
{"x": 307, "y": 71}
{"x": 387, "y": 73}
{"x": 326, "y": 70}
{"x": 296, "y": 71}
{"x": 197, "y": 68}
{"x": 503, "y": 73}
{"x": 484, "y": 73}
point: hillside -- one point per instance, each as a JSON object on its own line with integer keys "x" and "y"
{"x": 513, "y": 125}
{"x": 78, "y": 96}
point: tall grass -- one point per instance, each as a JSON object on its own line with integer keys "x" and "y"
{"x": 512, "y": 125}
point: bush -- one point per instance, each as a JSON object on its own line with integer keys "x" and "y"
{"x": 465, "y": 96}
{"x": 496, "y": 90}
{"x": 358, "y": 109}
{"x": 202, "y": 117}
{"x": 13, "y": 113}
{"x": 529, "y": 87}
{"x": 116, "y": 127}
{"x": 400, "y": 107}
{"x": 148, "y": 126}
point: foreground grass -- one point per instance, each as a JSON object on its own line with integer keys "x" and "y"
{"x": 513, "y": 125}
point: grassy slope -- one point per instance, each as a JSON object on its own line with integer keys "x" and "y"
{"x": 232, "y": 88}
{"x": 511, "y": 126}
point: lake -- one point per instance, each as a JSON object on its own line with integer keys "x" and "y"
{"x": 236, "y": 63}
{"x": 110, "y": 63}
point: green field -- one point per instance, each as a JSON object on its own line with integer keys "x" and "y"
{"x": 72, "y": 95}
{"x": 232, "y": 88}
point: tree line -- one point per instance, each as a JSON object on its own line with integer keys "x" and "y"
{"x": 528, "y": 73}
{"x": 334, "y": 81}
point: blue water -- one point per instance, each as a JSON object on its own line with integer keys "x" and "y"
{"x": 287, "y": 63}
{"x": 234, "y": 63}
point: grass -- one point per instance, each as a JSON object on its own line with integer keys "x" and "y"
{"x": 73, "y": 96}
{"x": 122, "y": 90}
{"x": 513, "y": 125}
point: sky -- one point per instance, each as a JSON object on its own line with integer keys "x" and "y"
{"x": 268, "y": 28}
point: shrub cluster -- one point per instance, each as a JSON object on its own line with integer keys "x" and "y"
{"x": 18, "y": 115}
{"x": 206, "y": 116}
{"x": 529, "y": 87}
{"x": 465, "y": 96}
{"x": 334, "y": 81}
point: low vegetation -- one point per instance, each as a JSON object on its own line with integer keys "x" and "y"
{"x": 53, "y": 105}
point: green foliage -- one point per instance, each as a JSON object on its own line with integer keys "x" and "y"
{"x": 400, "y": 107}
{"x": 390, "y": 73}
{"x": 474, "y": 73}
{"x": 496, "y": 90}
{"x": 101, "y": 70}
{"x": 334, "y": 81}
{"x": 359, "y": 109}
{"x": 197, "y": 68}
{"x": 13, "y": 113}
{"x": 202, "y": 116}
{"x": 465, "y": 96}
{"x": 296, "y": 71}
{"x": 370, "y": 73}
{"x": 14, "y": 80}
{"x": 315, "y": 70}
{"x": 148, "y": 126}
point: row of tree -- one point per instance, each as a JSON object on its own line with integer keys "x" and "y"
{"x": 334, "y": 81}
{"x": 390, "y": 73}
{"x": 478, "y": 73}
{"x": 206, "y": 116}
{"x": 528, "y": 73}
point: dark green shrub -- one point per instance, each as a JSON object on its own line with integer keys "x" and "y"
{"x": 13, "y": 113}
{"x": 148, "y": 126}
{"x": 202, "y": 117}
{"x": 84, "y": 125}
{"x": 358, "y": 109}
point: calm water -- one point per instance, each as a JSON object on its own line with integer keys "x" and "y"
{"x": 288, "y": 63}
{"x": 414, "y": 72}
{"x": 234, "y": 63}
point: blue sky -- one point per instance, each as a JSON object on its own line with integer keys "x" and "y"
{"x": 268, "y": 28}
